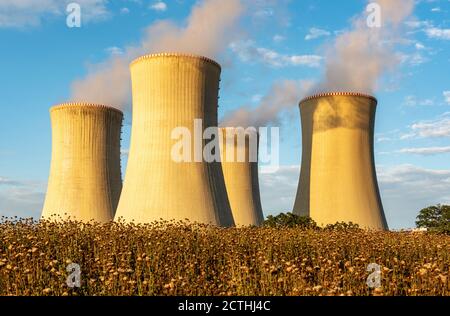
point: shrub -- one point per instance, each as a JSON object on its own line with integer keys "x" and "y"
{"x": 342, "y": 226}
{"x": 290, "y": 220}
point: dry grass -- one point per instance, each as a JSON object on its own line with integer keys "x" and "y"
{"x": 173, "y": 259}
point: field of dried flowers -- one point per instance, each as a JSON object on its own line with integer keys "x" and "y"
{"x": 175, "y": 259}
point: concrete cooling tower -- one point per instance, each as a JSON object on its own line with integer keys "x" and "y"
{"x": 171, "y": 91}
{"x": 241, "y": 175}
{"x": 338, "y": 182}
{"x": 85, "y": 176}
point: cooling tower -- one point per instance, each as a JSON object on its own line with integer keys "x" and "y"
{"x": 171, "y": 91}
{"x": 338, "y": 181}
{"x": 85, "y": 176}
{"x": 240, "y": 169}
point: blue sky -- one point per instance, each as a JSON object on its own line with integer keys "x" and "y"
{"x": 275, "y": 41}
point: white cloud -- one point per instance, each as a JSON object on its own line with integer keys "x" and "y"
{"x": 264, "y": 13}
{"x": 415, "y": 24}
{"x": 412, "y": 100}
{"x": 381, "y": 139}
{"x": 247, "y": 51}
{"x": 447, "y": 96}
{"x": 124, "y": 10}
{"x": 406, "y": 189}
{"x": 305, "y": 60}
{"x": 316, "y": 33}
{"x": 8, "y": 182}
{"x": 419, "y": 46}
{"x": 114, "y": 50}
{"x": 407, "y": 136}
{"x": 25, "y": 13}
{"x": 438, "y": 33}
{"x": 436, "y": 9}
{"x": 23, "y": 199}
{"x": 439, "y": 127}
{"x": 256, "y": 98}
{"x": 278, "y": 38}
{"x": 430, "y": 30}
{"x": 159, "y": 6}
{"x": 278, "y": 190}
{"x": 413, "y": 59}
{"x": 273, "y": 11}
{"x": 425, "y": 151}
{"x": 387, "y": 136}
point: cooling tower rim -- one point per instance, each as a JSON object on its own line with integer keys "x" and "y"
{"x": 84, "y": 105}
{"x": 157, "y": 55}
{"x": 339, "y": 94}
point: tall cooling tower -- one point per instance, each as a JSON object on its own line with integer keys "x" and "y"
{"x": 338, "y": 181}
{"x": 171, "y": 91}
{"x": 85, "y": 176}
{"x": 241, "y": 175}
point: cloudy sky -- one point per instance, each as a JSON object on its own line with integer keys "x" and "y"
{"x": 273, "y": 53}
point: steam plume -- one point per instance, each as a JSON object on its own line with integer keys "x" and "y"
{"x": 283, "y": 95}
{"x": 208, "y": 31}
{"x": 358, "y": 58}
{"x": 354, "y": 62}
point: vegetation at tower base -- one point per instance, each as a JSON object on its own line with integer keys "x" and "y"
{"x": 342, "y": 226}
{"x": 186, "y": 259}
{"x": 290, "y": 220}
{"x": 435, "y": 219}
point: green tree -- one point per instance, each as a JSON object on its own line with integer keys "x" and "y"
{"x": 290, "y": 220}
{"x": 342, "y": 226}
{"x": 435, "y": 218}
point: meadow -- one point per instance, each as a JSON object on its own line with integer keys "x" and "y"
{"x": 182, "y": 259}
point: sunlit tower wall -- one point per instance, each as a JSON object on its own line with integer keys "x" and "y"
{"x": 338, "y": 180}
{"x": 239, "y": 156}
{"x": 85, "y": 177}
{"x": 171, "y": 91}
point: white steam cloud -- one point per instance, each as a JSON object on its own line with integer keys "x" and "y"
{"x": 282, "y": 96}
{"x": 355, "y": 62}
{"x": 360, "y": 57}
{"x": 208, "y": 31}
